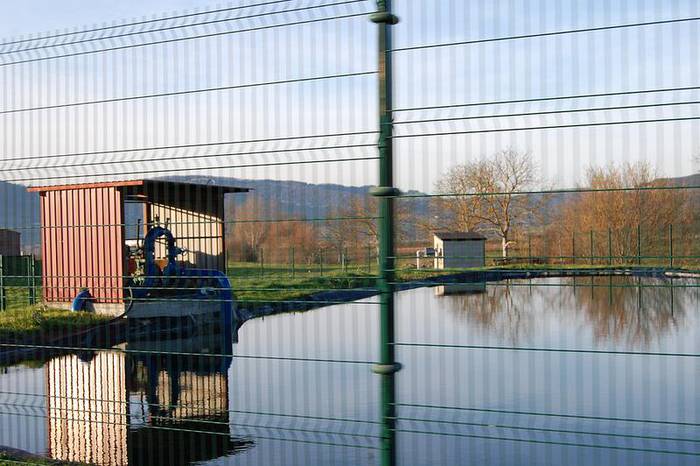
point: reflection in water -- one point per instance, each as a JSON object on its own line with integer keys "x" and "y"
{"x": 463, "y": 388}
{"x": 494, "y": 308}
{"x": 628, "y": 310}
{"x": 460, "y": 289}
{"x": 140, "y": 407}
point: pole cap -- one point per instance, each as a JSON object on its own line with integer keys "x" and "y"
{"x": 386, "y": 369}
{"x": 384, "y": 191}
{"x": 383, "y": 17}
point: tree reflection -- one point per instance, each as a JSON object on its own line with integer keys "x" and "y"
{"x": 500, "y": 308}
{"x": 631, "y": 311}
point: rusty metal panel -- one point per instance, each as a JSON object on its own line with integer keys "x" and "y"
{"x": 82, "y": 239}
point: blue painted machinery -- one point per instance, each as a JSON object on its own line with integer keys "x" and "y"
{"x": 170, "y": 296}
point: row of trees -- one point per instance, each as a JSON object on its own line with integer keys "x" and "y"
{"x": 502, "y": 196}
{"x": 265, "y": 233}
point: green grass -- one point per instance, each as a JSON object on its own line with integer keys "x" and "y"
{"x": 277, "y": 283}
{"x": 273, "y": 283}
{"x": 252, "y": 285}
{"x": 26, "y": 322}
{"x": 9, "y": 459}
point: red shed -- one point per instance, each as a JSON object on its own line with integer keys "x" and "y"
{"x": 88, "y": 230}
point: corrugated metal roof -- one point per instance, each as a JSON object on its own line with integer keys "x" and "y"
{"x": 459, "y": 235}
{"x": 152, "y": 184}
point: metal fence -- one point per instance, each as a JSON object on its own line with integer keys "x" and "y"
{"x": 232, "y": 214}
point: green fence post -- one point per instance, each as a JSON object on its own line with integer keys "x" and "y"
{"x": 31, "y": 279}
{"x": 320, "y": 263}
{"x": 369, "y": 258}
{"x": 639, "y": 245}
{"x": 293, "y": 265}
{"x": 670, "y": 244}
{"x": 573, "y": 247}
{"x": 3, "y": 297}
{"x": 592, "y": 251}
{"x": 609, "y": 246}
{"x": 385, "y": 192}
{"x": 262, "y": 262}
{"x": 529, "y": 249}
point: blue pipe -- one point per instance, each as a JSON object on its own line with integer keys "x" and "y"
{"x": 149, "y": 249}
{"x": 81, "y": 300}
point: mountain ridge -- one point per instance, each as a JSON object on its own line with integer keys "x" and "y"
{"x": 19, "y": 209}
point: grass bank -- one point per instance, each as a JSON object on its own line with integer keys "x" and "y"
{"x": 253, "y": 285}
{"x": 256, "y": 286}
{"x": 36, "y": 323}
{"x": 12, "y": 457}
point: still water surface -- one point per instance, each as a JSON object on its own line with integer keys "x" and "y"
{"x": 547, "y": 371}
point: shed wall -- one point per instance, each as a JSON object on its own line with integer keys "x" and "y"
{"x": 439, "y": 260}
{"x": 456, "y": 254}
{"x": 82, "y": 242}
{"x": 200, "y": 233}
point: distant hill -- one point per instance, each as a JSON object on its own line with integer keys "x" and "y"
{"x": 291, "y": 198}
{"x": 19, "y": 209}
{"x": 690, "y": 180}
{"x": 295, "y": 199}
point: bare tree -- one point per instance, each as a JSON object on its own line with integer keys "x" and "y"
{"x": 359, "y": 222}
{"x": 249, "y": 230}
{"x": 624, "y": 198}
{"x": 486, "y": 195}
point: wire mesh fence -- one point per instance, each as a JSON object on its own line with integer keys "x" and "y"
{"x": 353, "y": 232}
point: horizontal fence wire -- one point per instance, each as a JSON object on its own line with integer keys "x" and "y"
{"x": 55, "y": 35}
{"x": 189, "y": 146}
{"x": 199, "y": 36}
{"x": 273, "y": 414}
{"x": 189, "y": 92}
{"x": 546, "y": 34}
{"x": 549, "y": 99}
{"x": 168, "y": 28}
{"x": 179, "y": 353}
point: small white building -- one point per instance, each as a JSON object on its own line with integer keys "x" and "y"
{"x": 457, "y": 250}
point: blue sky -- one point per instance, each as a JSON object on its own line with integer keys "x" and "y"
{"x": 36, "y": 16}
{"x": 650, "y": 57}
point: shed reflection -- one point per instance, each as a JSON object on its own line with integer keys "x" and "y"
{"x": 136, "y": 406}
